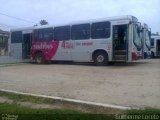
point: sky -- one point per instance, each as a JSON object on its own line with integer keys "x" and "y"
{"x": 30, "y": 12}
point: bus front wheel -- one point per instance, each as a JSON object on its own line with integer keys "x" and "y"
{"x": 100, "y": 58}
{"x": 39, "y": 58}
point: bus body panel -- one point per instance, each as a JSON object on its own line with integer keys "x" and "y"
{"x": 78, "y": 50}
{"x": 82, "y": 50}
{"x": 16, "y": 50}
{"x": 146, "y": 44}
{"x": 155, "y": 46}
{"x": 48, "y": 49}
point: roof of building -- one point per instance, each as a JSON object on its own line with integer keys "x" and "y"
{"x": 3, "y": 33}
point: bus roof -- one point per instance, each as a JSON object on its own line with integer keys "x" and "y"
{"x": 129, "y": 17}
{"x": 155, "y": 36}
{"x": 22, "y": 29}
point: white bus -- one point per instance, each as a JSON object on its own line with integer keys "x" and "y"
{"x": 103, "y": 41}
{"x": 146, "y": 41}
{"x": 155, "y": 46}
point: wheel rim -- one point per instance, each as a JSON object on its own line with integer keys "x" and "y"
{"x": 100, "y": 58}
{"x": 38, "y": 59}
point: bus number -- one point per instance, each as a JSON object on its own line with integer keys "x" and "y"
{"x": 66, "y": 45}
{"x": 63, "y": 44}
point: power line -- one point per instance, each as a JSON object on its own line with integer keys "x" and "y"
{"x": 17, "y": 18}
{"x": 4, "y": 25}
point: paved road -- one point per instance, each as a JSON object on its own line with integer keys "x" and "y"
{"x": 133, "y": 84}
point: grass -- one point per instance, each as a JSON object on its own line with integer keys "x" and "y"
{"x": 24, "y": 98}
{"x": 11, "y": 64}
{"x": 26, "y": 113}
{"x": 145, "y": 111}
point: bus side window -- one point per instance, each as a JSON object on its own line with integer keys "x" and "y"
{"x": 48, "y": 34}
{"x": 62, "y": 33}
{"x": 100, "y": 30}
{"x": 36, "y": 35}
{"x": 44, "y": 34}
{"x": 16, "y": 37}
{"x": 80, "y": 32}
{"x": 40, "y": 35}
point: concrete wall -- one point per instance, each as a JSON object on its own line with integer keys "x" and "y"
{"x": 16, "y": 50}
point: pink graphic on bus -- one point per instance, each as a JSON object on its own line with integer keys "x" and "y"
{"x": 48, "y": 49}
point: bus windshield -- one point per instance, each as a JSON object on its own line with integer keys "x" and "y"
{"x": 137, "y": 37}
{"x": 147, "y": 40}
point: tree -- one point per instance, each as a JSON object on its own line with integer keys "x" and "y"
{"x": 43, "y": 22}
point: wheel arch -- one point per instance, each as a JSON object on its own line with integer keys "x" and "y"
{"x": 36, "y": 52}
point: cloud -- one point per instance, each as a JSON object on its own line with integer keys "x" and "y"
{"x": 64, "y": 11}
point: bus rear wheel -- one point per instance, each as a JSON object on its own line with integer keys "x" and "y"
{"x": 39, "y": 58}
{"x": 111, "y": 63}
{"x": 100, "y": 58}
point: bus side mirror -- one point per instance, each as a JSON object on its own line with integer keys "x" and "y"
{"x": 139, "y": 30}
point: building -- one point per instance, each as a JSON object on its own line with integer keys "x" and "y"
{"x": 4, "y": 36}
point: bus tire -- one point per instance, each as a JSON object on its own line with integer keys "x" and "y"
{"x": 100, "y": 58}
{"x": 39, "y": 58}
{"x": 111, "y": 63}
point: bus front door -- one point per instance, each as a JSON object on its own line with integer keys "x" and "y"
{"x": 120, "y": 44}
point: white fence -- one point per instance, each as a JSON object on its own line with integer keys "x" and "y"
{"x": 9, "y": 59}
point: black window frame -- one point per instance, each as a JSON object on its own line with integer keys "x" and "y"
{"x": 62, "y": 33}
{"x": 95, "y": 30}
{"x": 81, "y": 31}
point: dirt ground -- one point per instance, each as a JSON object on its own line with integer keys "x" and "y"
{"x": 132, "y": 84}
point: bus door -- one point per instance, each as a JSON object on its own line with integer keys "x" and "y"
{"x": 26, "y": 45}
{"x": 158, "y": 47}
{"x": 120, "y": 43}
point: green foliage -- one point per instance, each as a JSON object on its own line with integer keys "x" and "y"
{"x": 43, "y": 22}
{"x": 22, "y": 98}
{"x": 146, "y": 111}
{"x": 26, "y": 113}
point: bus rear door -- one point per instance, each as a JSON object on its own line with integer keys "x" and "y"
{"x": 158, "y": 47}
